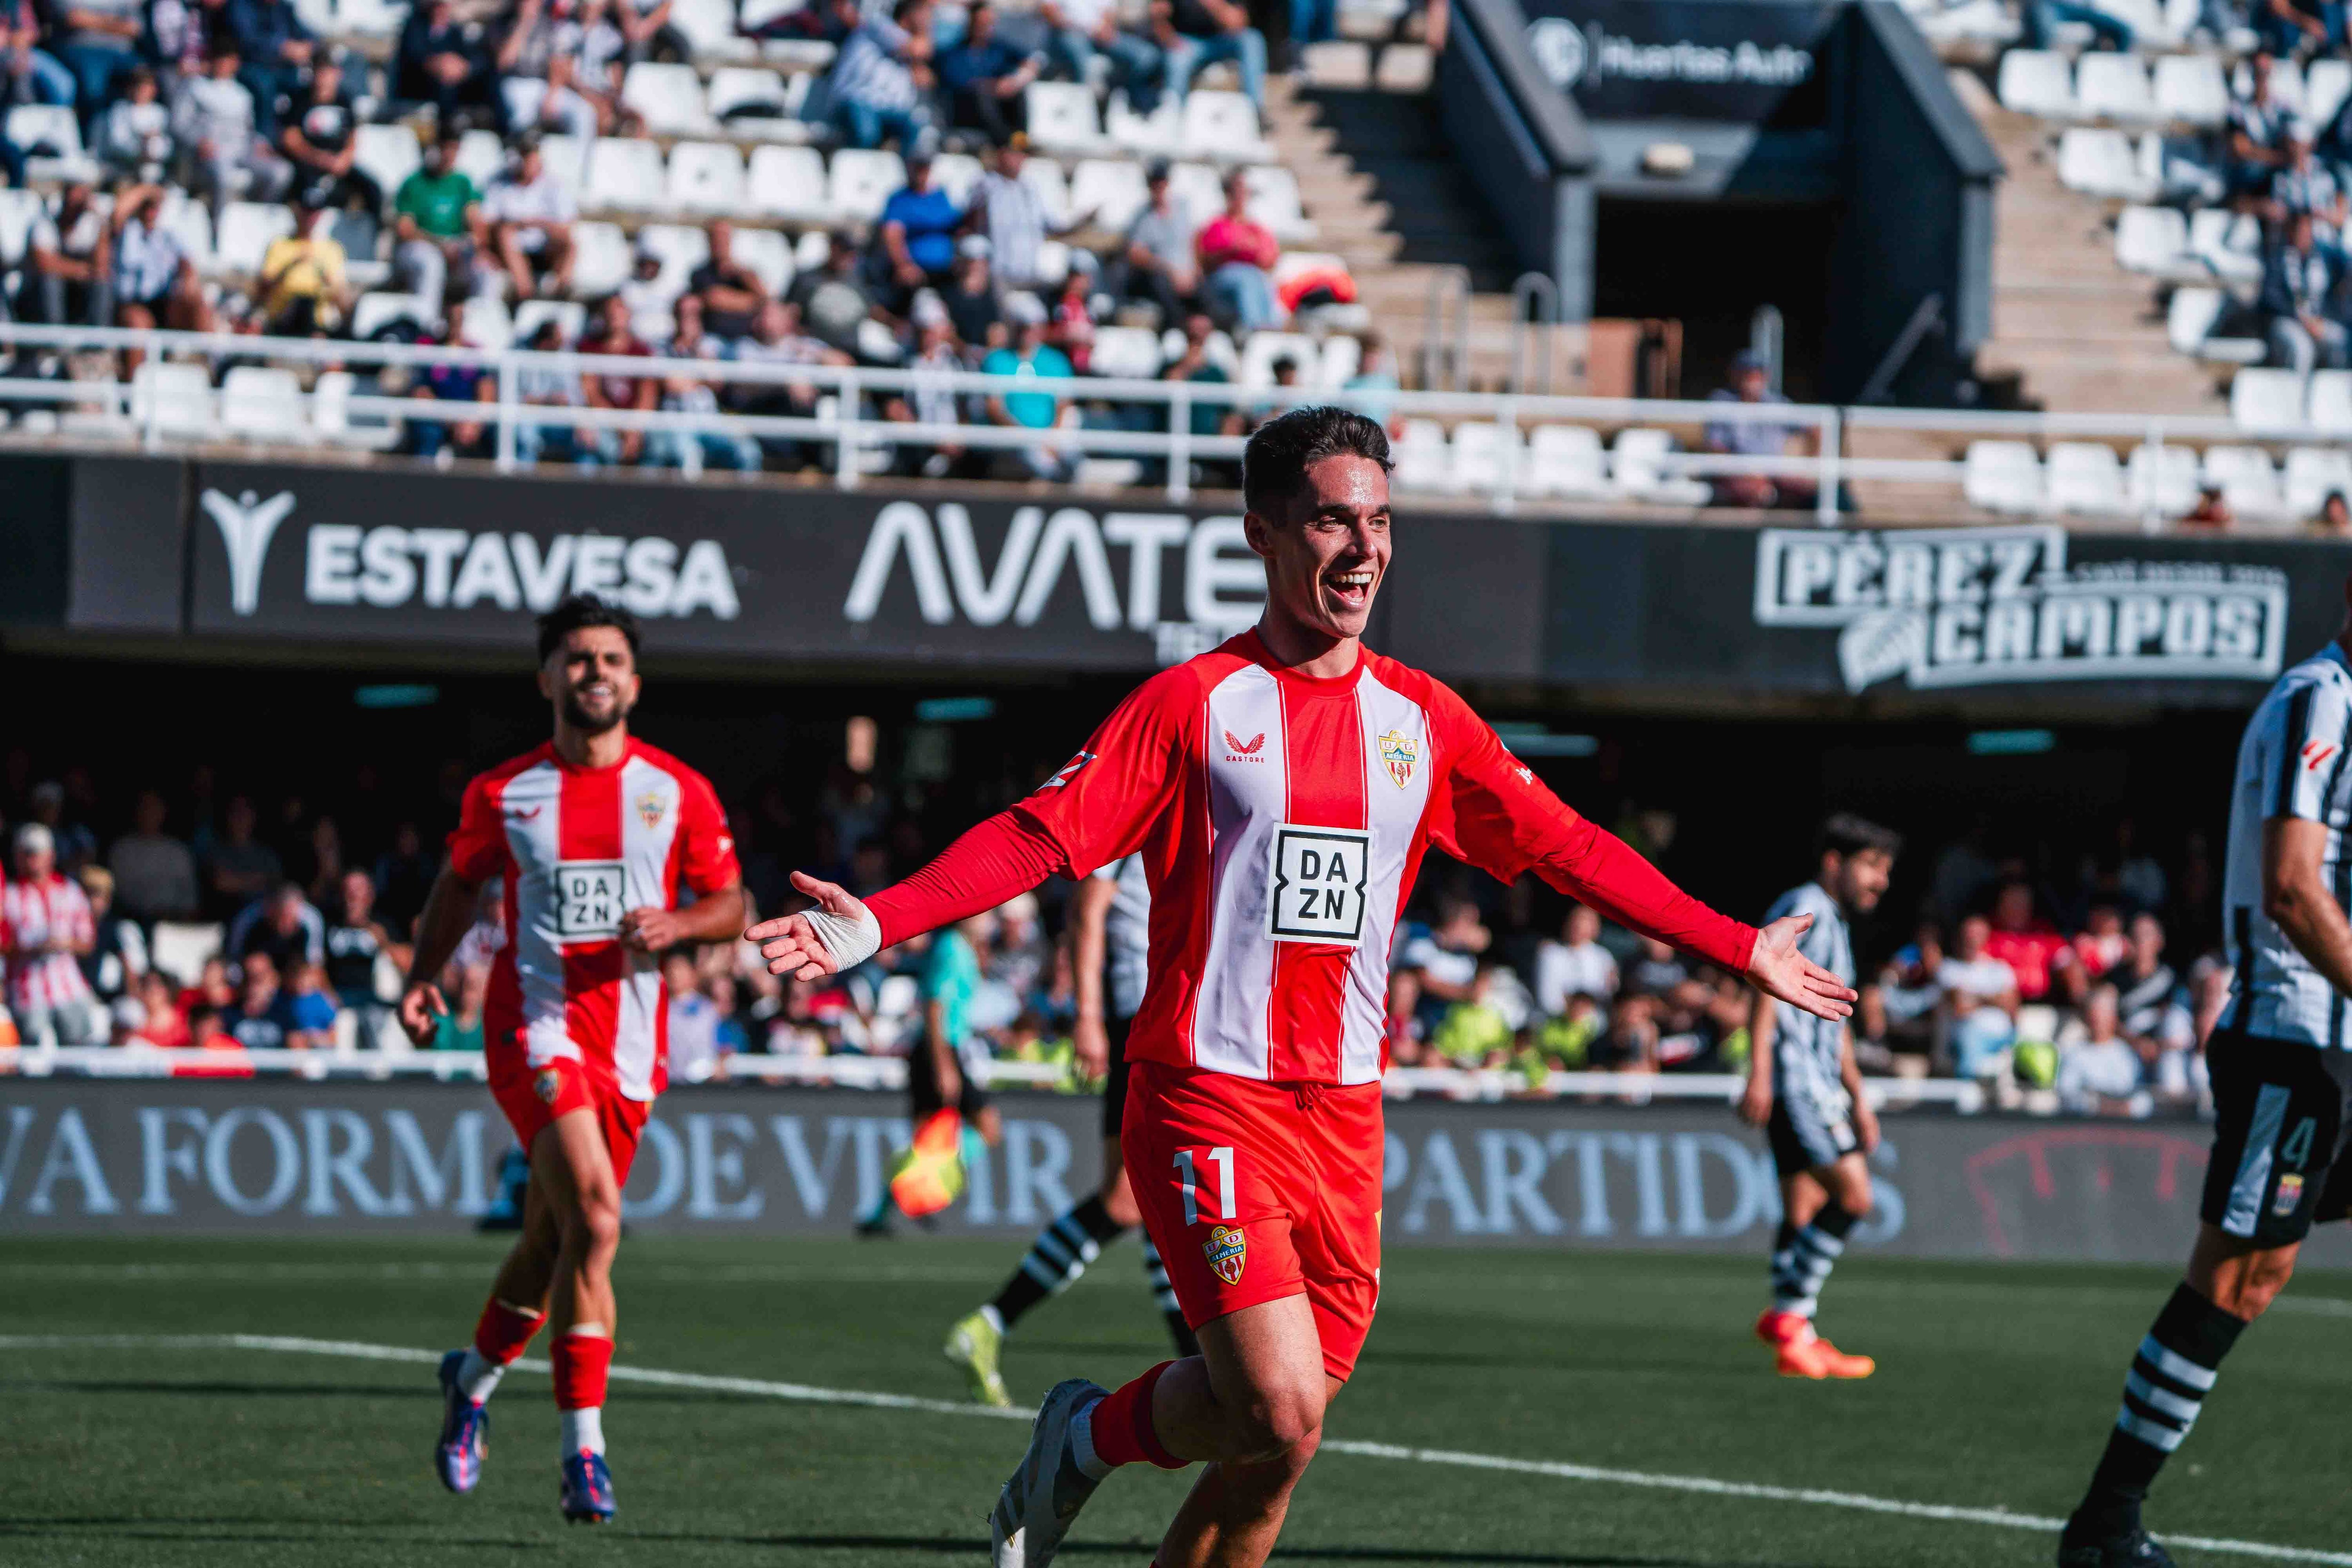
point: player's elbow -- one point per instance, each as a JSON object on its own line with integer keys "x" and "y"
{"x": 2284, "y": 900}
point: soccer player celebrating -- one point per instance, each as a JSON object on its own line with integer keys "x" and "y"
{"x": 1805, "y": 1092}
{"x": 1282, "y": 790}
{"x": 593, "y": 834}
{"x": 1110, "y": 927}
{"x": 2282, "y": 1088}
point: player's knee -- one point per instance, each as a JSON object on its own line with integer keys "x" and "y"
{"x": 2250, "y": 1295}
{"x": 595, "y": 1224}
{"x": 1286, "y": 1416}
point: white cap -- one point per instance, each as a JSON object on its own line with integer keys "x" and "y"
{"x": 32, "y": 838}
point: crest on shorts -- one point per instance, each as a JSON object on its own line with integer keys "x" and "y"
{"x": 2290, "y": 1193}
{"x": 1226, "y": 1252}
{"x": 547, "y": 1084}
{"x": 1400, "y": 751}
{"x": 652, "y": 806}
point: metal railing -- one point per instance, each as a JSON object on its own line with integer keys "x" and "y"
{"x": 842, "y": 426}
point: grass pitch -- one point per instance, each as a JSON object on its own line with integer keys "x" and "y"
{"x": 1995, "y": 1389}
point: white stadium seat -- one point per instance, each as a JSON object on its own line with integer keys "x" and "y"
{"x": 2002, "y": 476}
{"x": 1062, "y": 118}
{"x": 1222, "y": 126}
{"x": 787, "y": 183}
{"x": 2325, "y": 89}
{"x": 2286, "y": 83}
{"x": 1420, "y": 455}
{"x": 2229, "y": 244}
{"x": 262, "y": 404}
{"x": 1343, "y": 356}
{"x": 625, "y": 174}
{"x": 705, "y": 177}
{"x": 2155, "y": 240}
{"x": 769, "y": 254}
{"x": 1112, "y": 191}
{"x": 43, "y": 130}
{"x": 2100, "y": 162}
{"x": 2038, "y": 82}
{"x": 177, "y": 399}
{"x": 481, "y": 158}
{"x": 387, "y": 154}
{"x": 2266, "y": 399}
{"x": 2330, "y": 408}
{"x": 1160, "y": 134}
{"x": 2313, "y": 474}
{"x": 20, "y": 210}
{"x": 2190, "y": 323}
{"x": 709, "y": 26}
{"x": 957, "y": 173}
{"x": 2115, "y": 87}
{"x": 600, "y": 258}
{"x": 859, "y": 181}
{"x": 570, "y": 316}
{"x": 245, "y": 230}
{"x": 1126, "y": 354}
{"x": 2248, "y": 481}
{"x": 371, "y": 314}
{"x": 1199, "y": 187}
{"x": 1274, "y": 202}
{"x": 748, "y": 93}
{"x": 681, "y": 247}
{"x": 1566, "y": 460}
{"x": 193, "y": 222}
{"x": 1044, "y": 176}
{"x": 1636, "y": 462}
{"x": 2161, "y": 480}
{"x": 2085, "y": 477}
{"x": 1263, "y": 349}
{"x": 1484, "y": 458}
{"x": 565, "y": 159}
{"x": 669, "y": 97}
{"x": 2192, "y": 90}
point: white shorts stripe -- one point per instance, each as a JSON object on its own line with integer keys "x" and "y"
{"x": 2254, "y": 1164}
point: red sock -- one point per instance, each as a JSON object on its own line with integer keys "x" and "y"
{"x": 502, "y": 1331}
{"x": 1122, "y": 1426}
{"x": 581, "y": 1362}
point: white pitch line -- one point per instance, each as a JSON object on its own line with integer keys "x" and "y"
{"x": 807, "y": 1394}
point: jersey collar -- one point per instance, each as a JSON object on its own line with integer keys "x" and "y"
{"x": 1312, "y": 684}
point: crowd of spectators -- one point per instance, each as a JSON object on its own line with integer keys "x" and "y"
{"x": 2090, "y": 991}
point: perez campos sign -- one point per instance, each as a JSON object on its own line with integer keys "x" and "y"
{"x": 1978, "y": 606}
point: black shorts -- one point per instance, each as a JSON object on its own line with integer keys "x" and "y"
{"x": 1805, "y": 1136}
{"x": 2283, "y": 1115}
{"x": 1114, "y": 1096}
{"x": 923, "y": 1101}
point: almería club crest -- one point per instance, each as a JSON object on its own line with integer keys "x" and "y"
{"x": 651, "y": 807}
{"x": 1400, "y": 751}
{"x": 1226, "y": 1252}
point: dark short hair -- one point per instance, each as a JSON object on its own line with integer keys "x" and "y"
{"x": 1846, "y": 834}
{"x": 1274, "y": 463}
{"x": 583, "y": 610}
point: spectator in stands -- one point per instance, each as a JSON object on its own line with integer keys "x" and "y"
{"x": 2305, "y": 184}
{"x": 2211, "y": 511}
{"x": 154, "y": 279}
{"x": 306, "y": 1010}
{"x": 777, "y": 340}
{"x": 2299, "y": 302}
{"x": 646, "y": 29}
{"x": 1029, "y": 356}
{"x": 2042, "y": 957}
{"x": 1195, "y": 33}
{"x": 1979, "y": 1000}
{"x": 32, "y": 74}
{"x": 284, "y": 926}
{"x": 985, "y": 77}
{"x": 1209, "y": 417}
{"x": 253, "y": 1019}
{"x": 1446, "y": 956}
{"x": 1079, "y": 29}
{"x": 1575, "y": 965}
{"x": 693, "y": 1021}
{"x": 651, "y": 291}
{"x": 2256, "y": 137}
{"x": 474, "y": 385}
{"x": 2290, "y": 27}
{"x": 611, "y": 334}
{"x": 98, "y": 41}
{"x": 529, "y": 214}
{"x": 1237, "y": 255}
{"x": 319, "y": 141}
{"x": 880, "y": 77}
{"x": 1630, "y": 1045}
{"x": 304, "y": 287}
{"x": 165, "y": 1026}
{"x": 1072, "y": 329}
{"x": 214, "y": 118}
{"x": 437, "y": 222}
{"x": 971, "y": 298}
{"x": 931, "y": 400}
{"x": 45, "y": 929}
{"x": 439, "y": 61}
{"x": 915, "y": 237}
{"x": 2098, "y": 1070}
{"x": 1751, "y": 381}
{"x": 154, "y": 873}
{"x": 213, "y": 988}
{"x": 832, "y": 302}
{"x": 1372, "y": 390}
{"x": 728, "y": 294}
{"x": 2044, "y": 17}
{"x": 692, "y": 395}
{"x": 1008, "y": 210}
{"x": 134, "y": 138}
{"x": 117, "y": 948}
{"x": 2334, "y": 515}
{"x": 1158, "y": 262}
{"x": 547, "y": 387}
{"x": 356, "y": 942}
{"x": 68, "y": 275}
{"x": 539, "y": 62}
{"x": 276, "y": 49}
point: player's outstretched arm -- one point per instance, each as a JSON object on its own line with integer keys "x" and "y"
{"x": 1778, "y": 969}
{"x": 840, "y": 934}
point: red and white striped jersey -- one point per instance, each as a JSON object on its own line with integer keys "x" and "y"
{"x": 1282, "y": 821}
{"x": 33, "y": 913}
{"x": 578, "y": 847}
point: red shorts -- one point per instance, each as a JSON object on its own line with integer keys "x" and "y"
{"x": 1256, "y": 1191}
{"x": 533, "y": 1098}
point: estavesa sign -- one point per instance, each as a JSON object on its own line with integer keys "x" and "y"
{"x": 759, "y": 573}
{"x": 1985, "y": 606}
{"x": 1735, "y": 60}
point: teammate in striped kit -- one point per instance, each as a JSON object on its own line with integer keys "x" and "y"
{"x": 1110, "y": 927}
{"x": 1282, "y": 790}
{"x": 593, "y": 836}
{"x": 1805, "y": 1091}
{"x": 2281, "y": 1059}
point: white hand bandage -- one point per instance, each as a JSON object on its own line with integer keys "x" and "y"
{"x": 851, "y": 939}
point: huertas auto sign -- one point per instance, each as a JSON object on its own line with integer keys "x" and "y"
{"x": 1982, "y": 606}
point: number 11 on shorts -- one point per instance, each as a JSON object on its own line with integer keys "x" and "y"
{"x": 1188, "y": 1177}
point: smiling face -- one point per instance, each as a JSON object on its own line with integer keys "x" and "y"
{"x": 1325, "y": 546}
{"x": 592, "y": 678}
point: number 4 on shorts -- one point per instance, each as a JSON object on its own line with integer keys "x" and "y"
{"x": 1189, "y": 1178}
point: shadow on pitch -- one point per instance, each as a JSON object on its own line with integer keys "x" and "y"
{"x": 952, "y": 1547}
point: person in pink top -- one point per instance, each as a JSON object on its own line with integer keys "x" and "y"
{"x": 1237, "y": 255}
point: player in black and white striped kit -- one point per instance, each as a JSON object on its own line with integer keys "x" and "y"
{"x": 2281, "y": 1062}
{"x": 1805, "y": 1091}
{"x": 1110, "y": 921}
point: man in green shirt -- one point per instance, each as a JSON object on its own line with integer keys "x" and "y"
{"x": 437, "y": 223}
{"x": 1030, "y": 356}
